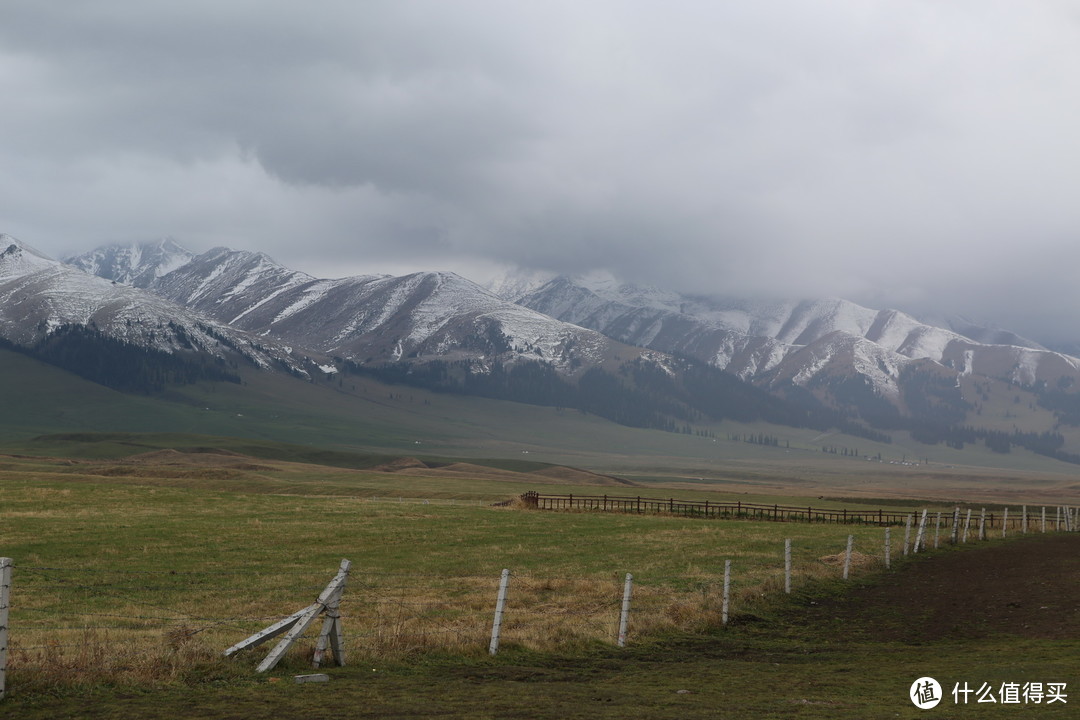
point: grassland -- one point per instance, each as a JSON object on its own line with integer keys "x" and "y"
{"x": 137, "y": 566}
{"x": 358, "y": 416}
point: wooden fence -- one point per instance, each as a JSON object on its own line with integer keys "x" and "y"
{"x": 758, "y": 511}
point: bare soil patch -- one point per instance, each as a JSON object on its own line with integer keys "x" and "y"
{"x": 575, "y": 475}
{"x": 215, "y": 458}
{"x": 1028, "y": 587}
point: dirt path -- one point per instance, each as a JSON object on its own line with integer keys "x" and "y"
{"x": 1028, "y": 587}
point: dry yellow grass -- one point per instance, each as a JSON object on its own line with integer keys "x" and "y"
{"x": 148, "y": 578}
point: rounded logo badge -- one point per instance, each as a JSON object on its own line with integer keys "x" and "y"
{"x": 925, "y": 693}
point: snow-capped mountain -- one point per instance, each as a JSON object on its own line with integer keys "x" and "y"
{"x": 376, "y": 318}
{"x": 835, "y": 363}
{"x": 982, "y": 333}
{"x": 782, "y": 342}
{"x": 136, "y": 264}
{"x": 39, "y": 295}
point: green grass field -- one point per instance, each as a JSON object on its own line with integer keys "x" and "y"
{"x": 358, "y": 415}
{"x": 132, "y": 577}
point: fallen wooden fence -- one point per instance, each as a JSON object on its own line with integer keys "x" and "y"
{"x": 734, "y": 510}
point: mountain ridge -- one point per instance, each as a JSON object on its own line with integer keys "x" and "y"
{"x": 834, "y": 361}
{"x": 754, "y": 339}
{"x": 40, "y": 295}
{"x": 377, "y": 318}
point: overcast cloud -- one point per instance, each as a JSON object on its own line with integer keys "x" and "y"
{"x": 903, "y": 153}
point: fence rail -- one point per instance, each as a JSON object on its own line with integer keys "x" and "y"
{"x": 747, "y": 511}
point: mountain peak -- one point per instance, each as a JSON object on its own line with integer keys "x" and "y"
{"x": 137, "y": 264}
{"x": 18, "y": 258}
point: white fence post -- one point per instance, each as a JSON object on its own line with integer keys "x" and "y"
{"x": 967, "y": 523}
{"x": 727, "y": 592}
{"x": 955, "y": 525}
{"x": 982, "y": 524}
{"x": 5, "y": 599}
{"x": 847, "y": 555}
{"x": 888, "y": 547}
{"x": 937, "y": 531}
{"x": 500, "y": 605}
{"x": 787, "y": 566}
{"x": 624, "y": 616}
{"x": 922, "y": 531}
{"x": 907, "y": 534}
{"x": 1004, "y": 523}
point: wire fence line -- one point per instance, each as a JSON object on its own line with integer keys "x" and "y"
{"x": 103, "y": 623}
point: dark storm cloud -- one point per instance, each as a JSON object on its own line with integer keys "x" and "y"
{"x": 912, "y": 154}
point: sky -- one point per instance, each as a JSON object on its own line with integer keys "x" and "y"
{"x": 912, "y": 154}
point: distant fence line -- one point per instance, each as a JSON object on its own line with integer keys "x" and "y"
{"x": 776, "y": 513}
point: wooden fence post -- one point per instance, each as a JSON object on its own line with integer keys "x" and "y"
{"x": 500, "y": 605}
{"x": 727, "y": 592}
{"x": 888, "y": 547}
{"x": 624, "y": 616}
{"x": 5, "y": 599}
{"x": 331, "y": 635}
{"x": 955, "y": 525}
{"x": 1023, "y": 519}
{"x": 787, "y": 566}
{"x": 937, "y": 530}
{"x": 967, "y": 523}
{"x": 295, "y": 625}
{"x": 907, "y": 534}
{"x": 982, "y": 524}
{"x": 847, "y": 555}
{"x": 1044, "y": 519}
{"x": 1004, "y": 523}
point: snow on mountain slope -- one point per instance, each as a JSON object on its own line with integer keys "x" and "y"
{"x": 377, "y": 318}
{"x": 515, "y": 284}
{"x": 834, "y": 347}
{"x": 776, "y": 342}
{"x": 136, "y": 264}
{"x": 223, "y": 283}
{"x": 39, "y": 295}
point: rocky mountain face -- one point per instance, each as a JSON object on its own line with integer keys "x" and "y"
{"x": 805, "y": 343}
{"x": 40, "y": 296}
{"x": 135, "y": 264}
{"x": 378, "y": 319}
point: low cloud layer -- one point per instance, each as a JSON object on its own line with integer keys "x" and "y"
{"x": 918, "y": 154}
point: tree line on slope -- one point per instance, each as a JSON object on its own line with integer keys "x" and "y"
{"x": 94, "y": 356}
